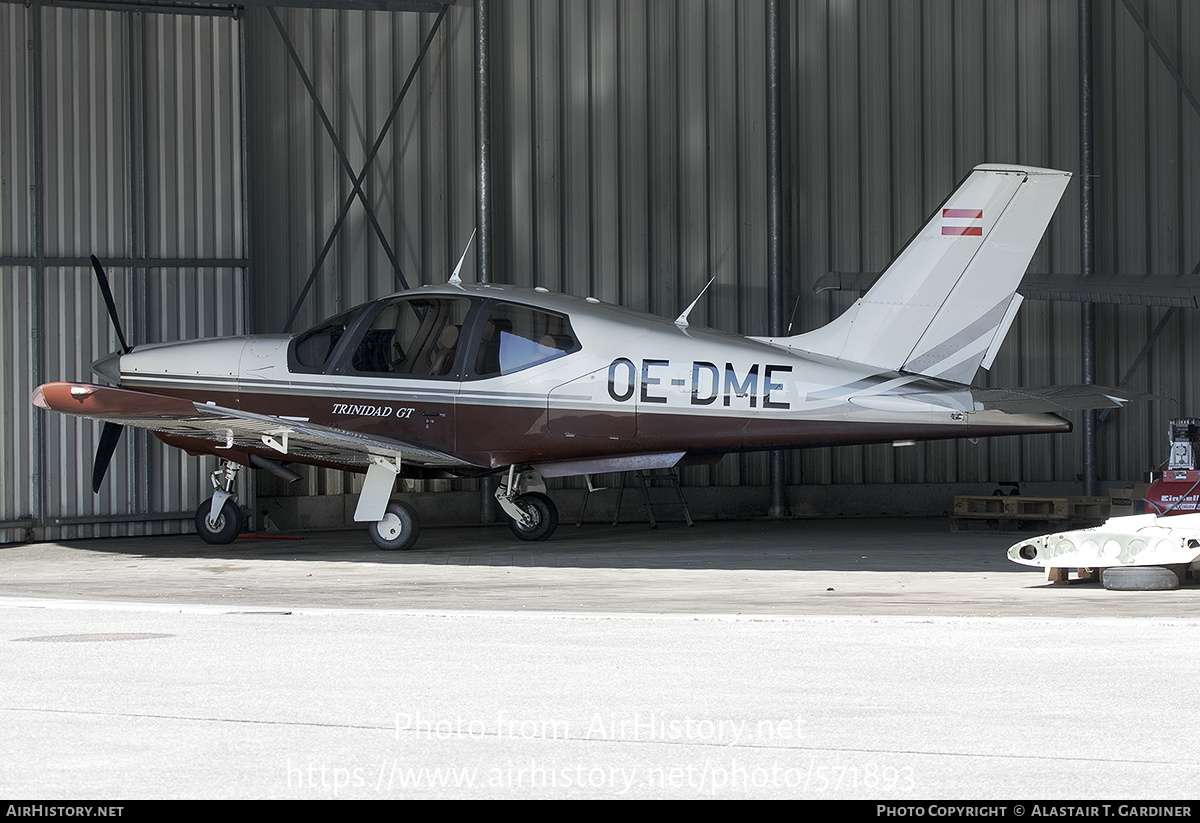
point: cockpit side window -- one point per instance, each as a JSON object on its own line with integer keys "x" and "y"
{"x": 312, "y": 349}
{"x": 412, "y": 337}
{"x": 518, "y": 337}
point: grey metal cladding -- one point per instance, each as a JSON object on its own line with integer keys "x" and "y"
{"x": 141, "y": 152}
{"x": 629, "y": 162}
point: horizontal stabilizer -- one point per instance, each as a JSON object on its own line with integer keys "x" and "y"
{"x": 1129, "y": 290}
{"x": 1053, "y": 398}
{"x": 1124, "y": 289}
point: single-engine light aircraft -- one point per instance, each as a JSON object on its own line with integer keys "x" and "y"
{"x": 461, "y": 380}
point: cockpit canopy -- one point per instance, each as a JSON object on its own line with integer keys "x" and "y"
{"x": 433, "y": 336}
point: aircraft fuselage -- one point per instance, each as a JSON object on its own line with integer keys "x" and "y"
{"x": 619, "y": 383}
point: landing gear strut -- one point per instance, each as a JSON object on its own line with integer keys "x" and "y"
{"x": 219, "y": 520}
{"x": 532, "y": 514}
{"x": 393, "y": 526}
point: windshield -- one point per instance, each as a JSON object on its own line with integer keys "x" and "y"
{"x": 313, "y": 348}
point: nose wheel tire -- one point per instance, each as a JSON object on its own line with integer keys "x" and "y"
{"x": 398, "y": 530}
{"x": 542, "y": 515}
{"x": 230, "y": 523}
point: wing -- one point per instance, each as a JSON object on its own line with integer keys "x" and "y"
{"x": 232, "y": 428}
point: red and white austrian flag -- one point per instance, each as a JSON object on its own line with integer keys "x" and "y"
{"x": 962, "y": 222}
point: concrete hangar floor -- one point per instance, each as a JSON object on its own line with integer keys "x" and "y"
{"x": 802, "y": 659}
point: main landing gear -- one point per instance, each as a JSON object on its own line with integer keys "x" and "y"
{"x": 398, "y": 530}
{"x": 219, "y": 520}
{"x": 522, "y": 495}
{"x": 392, "y": 525}
{"x": 532, "y": 515}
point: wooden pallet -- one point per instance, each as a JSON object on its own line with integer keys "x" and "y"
{"x": 1061, "y": 576}
{"x": 1014, "y": 513}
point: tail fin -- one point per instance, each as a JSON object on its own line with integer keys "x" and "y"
{"x": 943, "y": 306}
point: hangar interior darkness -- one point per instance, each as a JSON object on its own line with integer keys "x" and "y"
{"x": 257, "y": 167}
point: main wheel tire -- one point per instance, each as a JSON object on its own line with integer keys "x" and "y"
{"x": 1140, "y": 579}
{"x": 230, "y": 523}
{"x": 543, "y": 517}
{"x": 398, "y": 530}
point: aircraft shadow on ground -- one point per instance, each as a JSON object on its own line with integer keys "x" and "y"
{"x": 895, "y": 545}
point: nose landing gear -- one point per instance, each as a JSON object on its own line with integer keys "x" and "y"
{"x": 219, "y": 520}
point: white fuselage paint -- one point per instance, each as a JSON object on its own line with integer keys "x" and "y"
{"x": 628, "y": 363}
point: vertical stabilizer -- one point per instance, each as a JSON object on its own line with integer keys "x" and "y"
{"x": 946, "y": 302}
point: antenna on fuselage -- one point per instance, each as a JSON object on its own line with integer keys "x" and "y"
{"x": 792, "y": 319}
{"x": 682, "y": 320}
{"x": 455, "y": 280}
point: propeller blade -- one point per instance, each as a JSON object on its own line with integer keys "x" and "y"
{"x": 102, "y": 278}
{"x": 110, "y": 435}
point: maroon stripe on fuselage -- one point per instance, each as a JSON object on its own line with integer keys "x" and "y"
{"x": 499, "y": 435}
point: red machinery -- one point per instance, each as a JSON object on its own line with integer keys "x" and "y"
{"x": 1177, "y": 490}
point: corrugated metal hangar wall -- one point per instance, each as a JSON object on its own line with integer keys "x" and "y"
{"x": 628, "y": 162}
{"x": 121, "y": 137}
